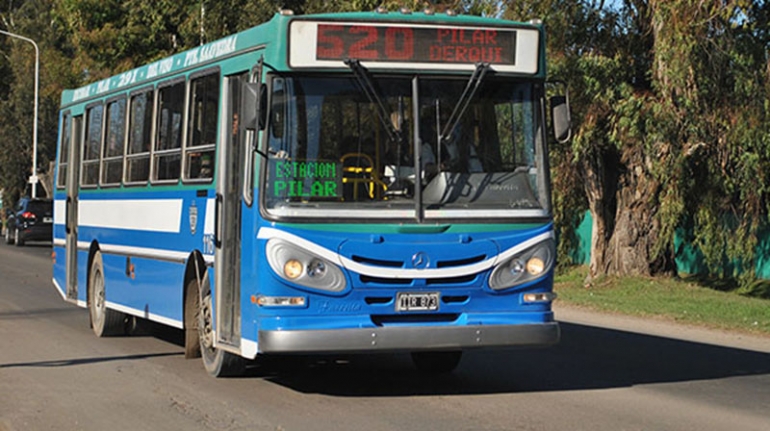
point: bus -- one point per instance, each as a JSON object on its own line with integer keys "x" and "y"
{"x": 321, "y": 184}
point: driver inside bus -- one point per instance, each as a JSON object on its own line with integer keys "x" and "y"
{"x": 458, "y": 154}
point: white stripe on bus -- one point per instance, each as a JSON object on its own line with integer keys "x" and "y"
{"x": 153, "y": 215}
{"x": 377, "y": 271}
{"x": 208, "y": 224}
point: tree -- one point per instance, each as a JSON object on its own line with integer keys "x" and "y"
{"x": 587, "y": 48}
{"x": 711, "y": 75}
{"x": 32, "y": 19}
{"x": 669, "y": 99}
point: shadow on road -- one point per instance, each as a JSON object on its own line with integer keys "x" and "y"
{"x": 134, "y": 328}
{"x": 587, "y": 358}
{"x": 84, "y": 361}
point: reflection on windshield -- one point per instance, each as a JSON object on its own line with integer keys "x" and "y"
{"x": 332, "y": 148}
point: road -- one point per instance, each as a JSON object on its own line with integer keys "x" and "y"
{"x": 608, "y": 373}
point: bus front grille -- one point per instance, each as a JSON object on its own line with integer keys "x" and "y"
{"x": 403, "y": 319}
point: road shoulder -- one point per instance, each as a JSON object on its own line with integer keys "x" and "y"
{"x": 662, "y": 328}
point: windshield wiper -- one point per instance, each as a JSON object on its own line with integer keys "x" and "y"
{"x": 465, "y": 99}
{"x": 362, "y": 75}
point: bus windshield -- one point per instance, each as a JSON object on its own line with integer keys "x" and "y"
{"x": 336, "y": 151}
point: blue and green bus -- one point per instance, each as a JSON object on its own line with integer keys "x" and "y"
{"x": 336, "y": 183}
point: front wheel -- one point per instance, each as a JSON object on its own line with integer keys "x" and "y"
{"x": 104, "y": 321}
{"x": 437, "y": 362}
{"x": 217, "y": 362}
{"x": 18, "y": 238}
{"x": 192, "y": 343}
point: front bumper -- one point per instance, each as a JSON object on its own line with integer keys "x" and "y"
{"x": 399, "y": 338}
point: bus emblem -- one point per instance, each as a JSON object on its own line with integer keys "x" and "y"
{"x": 420, "y": 260}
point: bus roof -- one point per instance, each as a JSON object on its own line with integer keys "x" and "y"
{"x": 435, "y": 18}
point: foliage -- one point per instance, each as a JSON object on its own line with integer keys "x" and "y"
{"x": 670, "y": 105}
{"x": 17, "y": 94}
{"x": 711, "y": 72}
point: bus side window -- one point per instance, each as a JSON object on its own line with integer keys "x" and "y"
{"x": 112, "y": 168}
{"x": 168, "y": 138}
{"x": 139, "y": 133}
{"x": 202, "y": 127}
{"x": 92, "y": 146}
{"x": 64, "y": 147}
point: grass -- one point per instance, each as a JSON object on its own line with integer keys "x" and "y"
{"x": 679, "y": 300}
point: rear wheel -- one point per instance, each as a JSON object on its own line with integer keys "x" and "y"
{"x": 104, "y": 321}
{"x": 217, "y": 362}
{"x": 8, "y": 237}
{"x": 437, "y": 362}
{"x": 18, "y": 238}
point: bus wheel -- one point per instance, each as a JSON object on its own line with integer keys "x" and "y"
{"x": 105, "y": 322}
{"x": 192, "y": 345}
{"x": 217, "y": 362}
{"x": 436, "y": 362}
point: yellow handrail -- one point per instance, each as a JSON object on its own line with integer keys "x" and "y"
{"x": 363, "y": 173}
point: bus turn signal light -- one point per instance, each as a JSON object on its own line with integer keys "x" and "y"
{"x": 531, "y": 298}
{"x": 281, "y": 301}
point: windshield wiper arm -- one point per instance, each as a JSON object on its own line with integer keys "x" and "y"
{"x": 362, "y": 75}
{"x": 465, "y": 99}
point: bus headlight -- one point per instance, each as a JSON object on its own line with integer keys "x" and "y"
{"x": 303, "y": 267}
{"x": 528, "y": 265}
{"x": 316, "y": 268}
{"x": 292, "y": 269}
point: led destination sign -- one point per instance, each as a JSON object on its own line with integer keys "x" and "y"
{"x": 414, "y": 46}
{"x": 422, "y": 44}
{"x": 305, "y": 179}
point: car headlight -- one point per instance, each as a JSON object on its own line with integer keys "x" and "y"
{"x": 525, "y": 266}
{"x": 304, "y": 268}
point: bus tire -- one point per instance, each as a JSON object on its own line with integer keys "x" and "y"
{"x": 104, "y": 321}
{"x": 437, "y": 362}
{"x": 217, "y": 362}
{"x": 192, "y": 344}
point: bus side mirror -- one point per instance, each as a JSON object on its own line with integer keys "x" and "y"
{"x": 252, "y": 109}
{"x": 560, "y": 115}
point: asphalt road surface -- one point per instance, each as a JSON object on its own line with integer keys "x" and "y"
{"x": 608, "y": 373}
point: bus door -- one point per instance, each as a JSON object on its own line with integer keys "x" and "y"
{"x": 227, "y": 255}
{"x": 71, "y": 209}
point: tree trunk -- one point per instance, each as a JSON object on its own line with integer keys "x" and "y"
{"x": 621, "y": 197}
{"x": 600, "y": 190}
{"x": 599, "y": 233}
{"x": 633, "y": 246}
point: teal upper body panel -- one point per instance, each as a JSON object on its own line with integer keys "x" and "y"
{"x": 273, "y": 36}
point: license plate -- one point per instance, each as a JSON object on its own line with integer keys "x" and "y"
{"x": 417, "y": 301}
{"x": 47, "y": 219}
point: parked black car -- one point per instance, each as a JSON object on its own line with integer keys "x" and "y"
{"x": 30, "y": 220}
